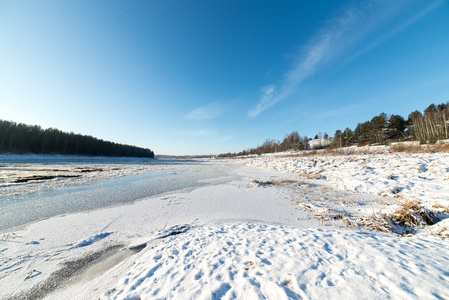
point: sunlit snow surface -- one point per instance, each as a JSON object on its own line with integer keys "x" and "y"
{"x": 34, "y": 187}
{"x": 249, "y": 261}
{"x": 381, "y": 183}
{"x": 422, "y": 176}
{"x": 246, "y": 233}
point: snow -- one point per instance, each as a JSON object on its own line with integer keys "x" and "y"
{"x": 319, "y": 143}
{"x": 254, "y": 261}
{"x": 272, "y": 234}
{"x": 391, "y": 180}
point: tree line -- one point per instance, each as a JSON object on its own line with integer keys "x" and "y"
{"x": 433, "y": 125}
{"x": 22, "y": 138}
{"x": 292, "y": 141}
{"x": 427, "y": 127}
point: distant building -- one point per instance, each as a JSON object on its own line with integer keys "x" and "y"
{"x": 319, "y": 143}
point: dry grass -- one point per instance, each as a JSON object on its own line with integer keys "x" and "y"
{"x": 300, "y": 154}
{"x": 441, "y": 208}
{"x": 312, "y": 175}
{"x": 328, "y": 216}
{"x": 376, "y": 222}
{"x": 421, "y": 169}
{"x": 274, "y": 182}
{"x": 403, "y": 220}
{"x": 383, "y": 202}
{"x": 395, "y": 190}
{"x": 338, "y": 216}
{"x": 391, "y": 176}
{"x": 402, "y": 147}
{"x": 9, "y": 236}
{"x": 443, "y": 232}
{"x": 334, "y": 152}
{"x": 406, "y": 219}
{"x": 437, "y": 148}
{"x": 430, "y": 148}
{"x": 411, "y": 214}
{"x": 233, "y": 157}
{"x": 407, "y": 147}
{"x": 351, "y": 200}
{"x": 289, "y": 283}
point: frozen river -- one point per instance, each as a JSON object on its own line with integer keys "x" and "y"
{"x": 34, "y": 188}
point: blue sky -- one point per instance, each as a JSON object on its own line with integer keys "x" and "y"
{"x": 208, "y": 77}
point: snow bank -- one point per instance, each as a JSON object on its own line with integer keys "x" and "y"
{"x": 253, "y": 261}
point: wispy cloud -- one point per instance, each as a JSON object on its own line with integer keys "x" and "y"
{"x": 265, "y": 102}
{"x": 207, "y": 112}
{"x": 337, "y": 37}
{"x": 378, "y": 41}
{"x": 317, "y": 52}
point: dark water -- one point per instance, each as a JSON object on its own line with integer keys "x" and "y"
{"x": 22, "y": 209}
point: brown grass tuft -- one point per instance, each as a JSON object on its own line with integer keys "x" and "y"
{"x": 411, "y": 214}
{"x": 441, "y": 208}
{"x": 379, "y": 223}
{"x": 415, "y": 148}
{"x": 274, "y": 182}
{"x": 339, "y": 216}
{"x": 391, "y": 176}
{"x": 395, "y": 190}
{"x": 407, "y": 148}
{"x": 312, "y": 175}
{"x": 289, "y": 283}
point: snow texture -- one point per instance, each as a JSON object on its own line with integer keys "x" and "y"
{"x": 253, "y": 261}
{"x": 255, "y": 237}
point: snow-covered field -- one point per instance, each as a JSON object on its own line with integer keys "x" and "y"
{"x": 380, "y": 186}
{"x": 292, "y": 228}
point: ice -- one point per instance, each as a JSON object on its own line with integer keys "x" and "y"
{"x": 79, "y": 186}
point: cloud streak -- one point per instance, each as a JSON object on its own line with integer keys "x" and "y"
{"x": 207, "y": 112}
{"x": 378, "y": 41}
{"x": 317, "y": 52}
{"x": 266, "y": 101}
{"x": 336, "y": 38}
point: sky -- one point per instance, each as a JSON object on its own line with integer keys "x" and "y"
{"x": 210, "y": 77}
